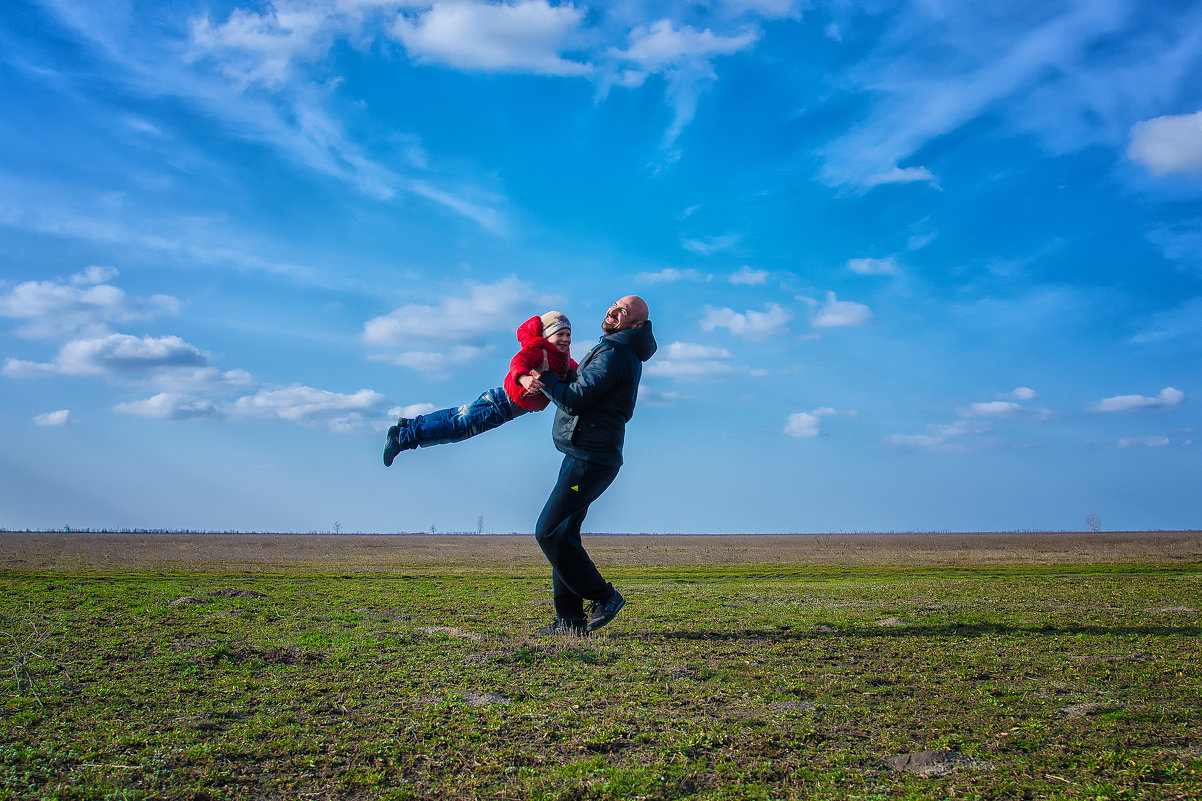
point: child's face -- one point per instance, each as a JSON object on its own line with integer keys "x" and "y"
{"x": 561, "y": 339}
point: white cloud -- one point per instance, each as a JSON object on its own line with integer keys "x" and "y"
{"x": 1024, "y": 393}
{"x": 261, "y": 48}
{"x": 749, "y": 277}
{"x": 900, "y": 175}
{"x": 169, "y": 406}
{"x": 299, "y": 404}
{"x": 114, "y": 355}
{"x": 809, "y": 424}
{"x": 683, "y": 56}
{"x": 835, "y": 313}
{"x": 60, "y": 418}
{"x": 885, "y": 266}
{"x": 412, "y": 410}
{"x": 1167, "y": 398}
{"x": 671, "y": 275}
{"x": 307, "y": 405}
{"x": 686, "y": 360}
{"x": 526, "y": 36}
{"x": 993, "y": 409}
{"x": 751, "y": 324}
{"x": 452, "y": 331}
{"x": 651, "y": 396}
{"x": 83, "y": 305}
{"x": 433, "y": 362}
{"x": 660, "y": 45}
{"x": 802, "y": 425}
{"x": 1168, "y": 144}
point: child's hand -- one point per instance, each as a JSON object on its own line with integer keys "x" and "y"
{"x": 530, "y": 381}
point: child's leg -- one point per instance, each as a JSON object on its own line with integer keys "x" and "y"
{"x": 493, "y": 408}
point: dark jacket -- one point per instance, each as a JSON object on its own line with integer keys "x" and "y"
{"x": 593, "y": 408}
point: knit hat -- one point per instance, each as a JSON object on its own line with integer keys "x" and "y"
{"x": 553, "y": 321}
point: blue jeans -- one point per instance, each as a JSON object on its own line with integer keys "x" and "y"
{"x": 491, "y": 409}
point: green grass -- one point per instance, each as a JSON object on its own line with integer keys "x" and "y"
{"x": 1065, "y": 681}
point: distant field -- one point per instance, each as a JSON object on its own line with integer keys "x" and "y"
{"x": 383, "y": 554}
{"x": 991, "y": 666}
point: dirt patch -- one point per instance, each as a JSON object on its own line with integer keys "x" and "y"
{"x": 190, "y": 600}
{"x": 1092, "y": 708}
{"x": 232, "y": 593}
{"x": 933, "y": 763}
{"x": 449, "y": 631}
{"x": 474, "y": 698}
{"x": 890, "y": 623}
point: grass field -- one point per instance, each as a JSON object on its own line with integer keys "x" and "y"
{"x": 841, "y": 666}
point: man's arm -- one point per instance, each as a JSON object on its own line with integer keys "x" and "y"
{"x": 591, "y": 384}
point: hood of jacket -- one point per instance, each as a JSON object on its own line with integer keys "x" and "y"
{"x": 530, "y": 330}
{"x": 640, "y": 339}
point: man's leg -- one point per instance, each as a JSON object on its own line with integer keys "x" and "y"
{"x": 574, "y": 577}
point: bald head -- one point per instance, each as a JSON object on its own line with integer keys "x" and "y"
{"x": 629, "y": 312}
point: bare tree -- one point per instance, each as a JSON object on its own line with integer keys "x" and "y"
{"x": 1093, "y": 521}
{"x": 480, "y": 525}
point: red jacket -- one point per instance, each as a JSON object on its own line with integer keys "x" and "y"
{"x": 530, "y": 357}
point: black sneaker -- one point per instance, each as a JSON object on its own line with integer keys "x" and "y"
{"x": 603, "y": 612}
{"x": 392, "y": 446}
{"x": 561, "y": 626}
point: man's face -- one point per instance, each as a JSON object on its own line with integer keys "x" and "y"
{"x": 621, "y": 316}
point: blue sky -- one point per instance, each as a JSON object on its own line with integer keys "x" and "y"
{"x": 911, "y": 266}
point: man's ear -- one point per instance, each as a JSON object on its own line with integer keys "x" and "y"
{"x": 640, "y": 324}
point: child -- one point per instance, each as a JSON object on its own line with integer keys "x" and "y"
{"x": 545, "y": 343}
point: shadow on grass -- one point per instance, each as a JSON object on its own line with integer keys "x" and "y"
{"x": 951, "y": 630}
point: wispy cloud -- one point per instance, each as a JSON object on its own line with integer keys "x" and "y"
{"x": 748, "y": 277}
{"x": 684, "y": 56}
{"x": 711, "y": 245}
{"x": 885, "y": 266}
{"x": 942, "y": 66}
{"x": 901, "y": 175}
{"x": 975, "y": 427}
{"x": 671, "y": 275}
{"x": 1153, "y": 441}
{"x": 1180, "y": 322}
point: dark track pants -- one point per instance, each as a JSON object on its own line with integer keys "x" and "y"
{"x": 574, "y": 577}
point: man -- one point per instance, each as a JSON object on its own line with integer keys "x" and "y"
{"x": 590, "y": 427}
